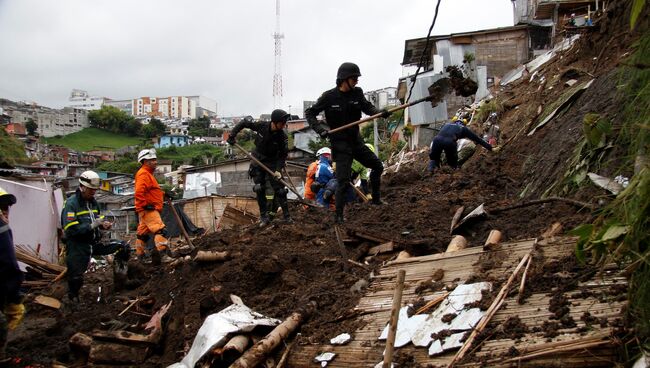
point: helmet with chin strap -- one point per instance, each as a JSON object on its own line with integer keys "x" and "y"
{"x": 348, "y": 70}
{"x": 89, "y": 179}
{"x": 324, "y": 151}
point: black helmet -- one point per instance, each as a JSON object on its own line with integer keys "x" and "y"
{"x": 348, "y": 70}
{"x": 280, "y": 116}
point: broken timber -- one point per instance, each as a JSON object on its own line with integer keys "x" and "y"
{"x": 374, "y": 310}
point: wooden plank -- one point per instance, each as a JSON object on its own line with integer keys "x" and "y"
{"x": 382, "y": 248}
{"x": 365, "y": 350}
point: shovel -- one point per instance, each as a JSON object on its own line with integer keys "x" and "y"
{"x": 437, "y": 91}
{"x": 273, "y": 175}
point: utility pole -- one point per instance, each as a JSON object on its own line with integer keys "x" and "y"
{"x": 277, "y": 76}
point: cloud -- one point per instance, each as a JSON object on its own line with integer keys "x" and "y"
{"x": 223, "y": 50}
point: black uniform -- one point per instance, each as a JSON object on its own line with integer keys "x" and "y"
{"x": 81, "y": 240}
{"x": 446, "y": 141}
{"x": 342, "y": 108}
{"x": 271, "y": 148}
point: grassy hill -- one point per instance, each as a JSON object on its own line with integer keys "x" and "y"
{"x": 93, "y": 138}
{"x": 12, "y": 150}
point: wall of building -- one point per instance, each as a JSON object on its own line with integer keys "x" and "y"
{"x": 501, "y": 51}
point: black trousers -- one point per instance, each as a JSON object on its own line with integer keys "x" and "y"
{"x": 259, "y": 177}
{"x": 77, "y": 259}
{"x": 343, "y": 154}
{"x": 444, "y": 144}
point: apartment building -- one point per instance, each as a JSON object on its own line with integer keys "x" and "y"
{"x": 51, "y": 122}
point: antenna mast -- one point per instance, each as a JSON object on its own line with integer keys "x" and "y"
{"x": 277, "y": 76}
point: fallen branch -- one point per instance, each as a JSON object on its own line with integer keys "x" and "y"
{"x": 496, "y": 304}
{"x": 540, "y": 201}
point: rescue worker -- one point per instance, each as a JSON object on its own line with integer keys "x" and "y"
{"x": 82, "y": 224}
{"x": 447, "y": 139}
{"x": 148, "y": 205}
{"x": 271, "y": 149}
{"x": 11, "y": 303}
{"x": 311, "y": 174}
{"x": 343, "y": 105}
{"x": 324, "y": 178}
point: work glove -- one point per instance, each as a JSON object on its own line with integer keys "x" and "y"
{"x": 96, "y": 223}
{"x": 231, "y": 140}
{"x": 149, "y": 207}
{"x": 324, "y": 134}
{"x": 14, "y": 314}
{"x": 277, "y": 175}
{"x": 385, "y": 113}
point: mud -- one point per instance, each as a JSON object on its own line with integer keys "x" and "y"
{"x": 281, "y": 268}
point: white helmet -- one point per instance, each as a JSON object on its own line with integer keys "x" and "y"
{"x": 89, "y": 179}
{"x": 147, "y": 154}
{"x": 324, "y": 150}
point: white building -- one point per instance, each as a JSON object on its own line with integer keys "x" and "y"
{"x": 204, "y": 106}
{"x": 384, "y": 97}
{"x": 80, "y": 99}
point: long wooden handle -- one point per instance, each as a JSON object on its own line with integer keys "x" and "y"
{"x": 373, "y": 117}
{"x": 273, "y": 174}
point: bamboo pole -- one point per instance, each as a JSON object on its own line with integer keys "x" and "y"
{"x": 457, "y": 243}
{"x": 211, "y": 256}
{"x": 432, "y": 303}
{"x": 394, "y": 315}
{"x": 256, "y": 355}
{"x": 496, "y": 304}
{"x": 523, "y": 280}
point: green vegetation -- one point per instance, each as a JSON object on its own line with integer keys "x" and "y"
{"x": 487, "y": 108}
{"x": 620, "y": 232}
{"x": 124, "y": 165}
{"x": 153, "y": 129}
{"x": 201, "y": 128}
{"x": 12, "y": 151}
{"x": 198, "y": 154}
{"x": 114, "y": 120}
{"x": 93, "y": 138}
{"x": 31, "y": 126}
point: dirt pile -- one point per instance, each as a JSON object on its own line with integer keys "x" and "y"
{"x": 279, "y": 269}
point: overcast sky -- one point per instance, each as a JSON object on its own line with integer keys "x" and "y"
{"x": 224, "y": 50}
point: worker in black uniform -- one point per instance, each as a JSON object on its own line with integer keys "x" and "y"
{"x": 82, "y": 224}
{"x": 343, "y": 105}
{"x": 447, "y": 139}
{"x": 271, "y": 148}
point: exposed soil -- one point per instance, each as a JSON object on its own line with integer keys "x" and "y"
{"x": 279, "y": 269}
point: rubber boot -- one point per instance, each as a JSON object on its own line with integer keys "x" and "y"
{"x": 264, "y": 220}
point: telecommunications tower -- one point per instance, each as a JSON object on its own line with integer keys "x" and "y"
{"x": 277, "y": 76}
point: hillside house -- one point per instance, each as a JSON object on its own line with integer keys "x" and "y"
{"x": 227, "y": 178}
{"x": 173, "y": 140}
{"x": 16, "y": 129}
{"x": 111, "y": 207}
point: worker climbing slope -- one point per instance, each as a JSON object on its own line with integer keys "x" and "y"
{"x": 447, "y": 139}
